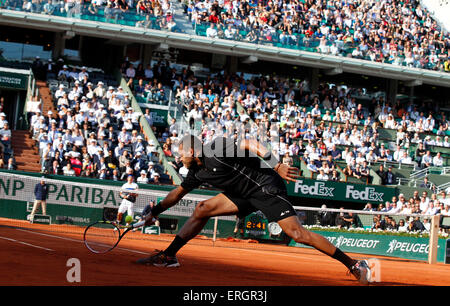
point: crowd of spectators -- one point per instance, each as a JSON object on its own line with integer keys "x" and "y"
{"x": 422, "y": 205}
{"x": 397, "y": 32}
{"x": 95, "y": 133}
{"x": 323, "y": 127}
{"x": 157, "y": 14}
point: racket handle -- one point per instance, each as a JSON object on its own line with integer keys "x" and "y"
{"x": 141, "y": 223}
{"x": 138, "y": 224}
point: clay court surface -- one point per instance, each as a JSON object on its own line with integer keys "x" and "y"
{"x": 32, "y": 254}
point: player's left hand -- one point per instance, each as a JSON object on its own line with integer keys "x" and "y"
{"x": 288, "y": 173}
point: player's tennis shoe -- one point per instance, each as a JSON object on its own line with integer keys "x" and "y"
{"x": 361, "y": 271}
{"x": 160, "y": 259}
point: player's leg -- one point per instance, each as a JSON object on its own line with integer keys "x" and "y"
{"x": 219, "y": 205}
{"x": 122, "y": 209}
{"x": 277, "y": 208}
{"x": 292, "y": 227}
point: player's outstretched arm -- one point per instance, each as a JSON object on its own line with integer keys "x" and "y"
{"x": 285, "y": 171}
{"x": 170, "y": 200}
{"x": 173, "y": 197}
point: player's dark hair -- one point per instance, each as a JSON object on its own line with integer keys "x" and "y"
{"x": 191, "y": 142}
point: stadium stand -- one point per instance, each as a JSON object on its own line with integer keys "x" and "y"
{"x": 396, "y": 32}
{"x": 94, "y": 131}
{"x": 147, "y": 14}
{"x": 321, "y": 123}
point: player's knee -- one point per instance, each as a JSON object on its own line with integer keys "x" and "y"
{"x": 202, "y": 210}
{"x": 301, "y": 236}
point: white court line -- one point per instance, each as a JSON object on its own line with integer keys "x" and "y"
{"x": 139, "y": 252}
{"x": 75, "y": 240}
{"x": 25, "y": 243}
{"x": 277, "y": 253}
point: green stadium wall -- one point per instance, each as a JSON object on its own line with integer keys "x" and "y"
{"x": 414, "y": 248}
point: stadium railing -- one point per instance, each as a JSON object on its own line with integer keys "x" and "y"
{"x": 148, "y": 131}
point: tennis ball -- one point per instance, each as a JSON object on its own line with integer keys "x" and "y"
{"x": 128, "y": 219}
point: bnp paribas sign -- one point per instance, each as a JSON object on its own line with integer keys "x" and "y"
{"x": 341, "y": 191}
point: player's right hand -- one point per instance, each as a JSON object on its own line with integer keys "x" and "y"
{"x": 150, "y": 220}
{"x": 288, "y": 173}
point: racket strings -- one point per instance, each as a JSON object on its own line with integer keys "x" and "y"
{"x": 101, "y": 237}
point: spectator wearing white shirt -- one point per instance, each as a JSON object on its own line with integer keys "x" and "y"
{"x": 395, "y": 208}
{"x": 211, "y": 32}
{"x": 444, "y": 198}
{"x": 446, "y": 143}
{"x": 142, "y": 179}
{"x": 68, "y": 170}
{"x": 427, "y": 160}
{"x": 312, "y": 166}
{"x": 63, "y": 75}
{"x": 405, "y": 158}
{"x": 60, "y": 91}
{"x": 398, "y": 153}
{"x": 401, "y": 201}
{"x": 130, "y": 72}
{"x": 3, "y": 120}
{"x": 438, "y": 161}
{"x": 446, "y": 211}
{"x": 438, "y": 142}
{"x": 371, "y": 157}
{"x": 148, "y": 72}
{"x": 315, "y": 112}
{"x": 407, "y": 209}
{"x": 402, "y": 226}
{"x": 349, "y": 158}
{"x": 428, "y": 124}
{"x": 390, "y": 122}
{"x": 322, "y": 176}
{"x": 424, "y": 201}
{"x": 432, "y": 209}
{"x": 360, "y": 158}
{"x": 83, "y": 74}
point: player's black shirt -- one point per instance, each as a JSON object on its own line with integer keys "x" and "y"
{"x": 233, "y": 174}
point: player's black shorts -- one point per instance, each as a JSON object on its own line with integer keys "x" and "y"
{"x": 273, "y": 203}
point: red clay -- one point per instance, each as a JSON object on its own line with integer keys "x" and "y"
{"x": 32, "y": 254}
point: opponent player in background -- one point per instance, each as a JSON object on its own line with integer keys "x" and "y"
{"x": 147, "y": 210}
{"x": 248, "y": 185}
{"x": 128, "y": 195}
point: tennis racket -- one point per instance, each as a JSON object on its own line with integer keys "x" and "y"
{"x": 103, "y": 236}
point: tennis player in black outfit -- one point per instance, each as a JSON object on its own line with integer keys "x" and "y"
{"x": 250, "y": 181}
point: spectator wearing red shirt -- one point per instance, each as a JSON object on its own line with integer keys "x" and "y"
{"x": 76, "y": 165}
{"x": 213, "y": 17}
